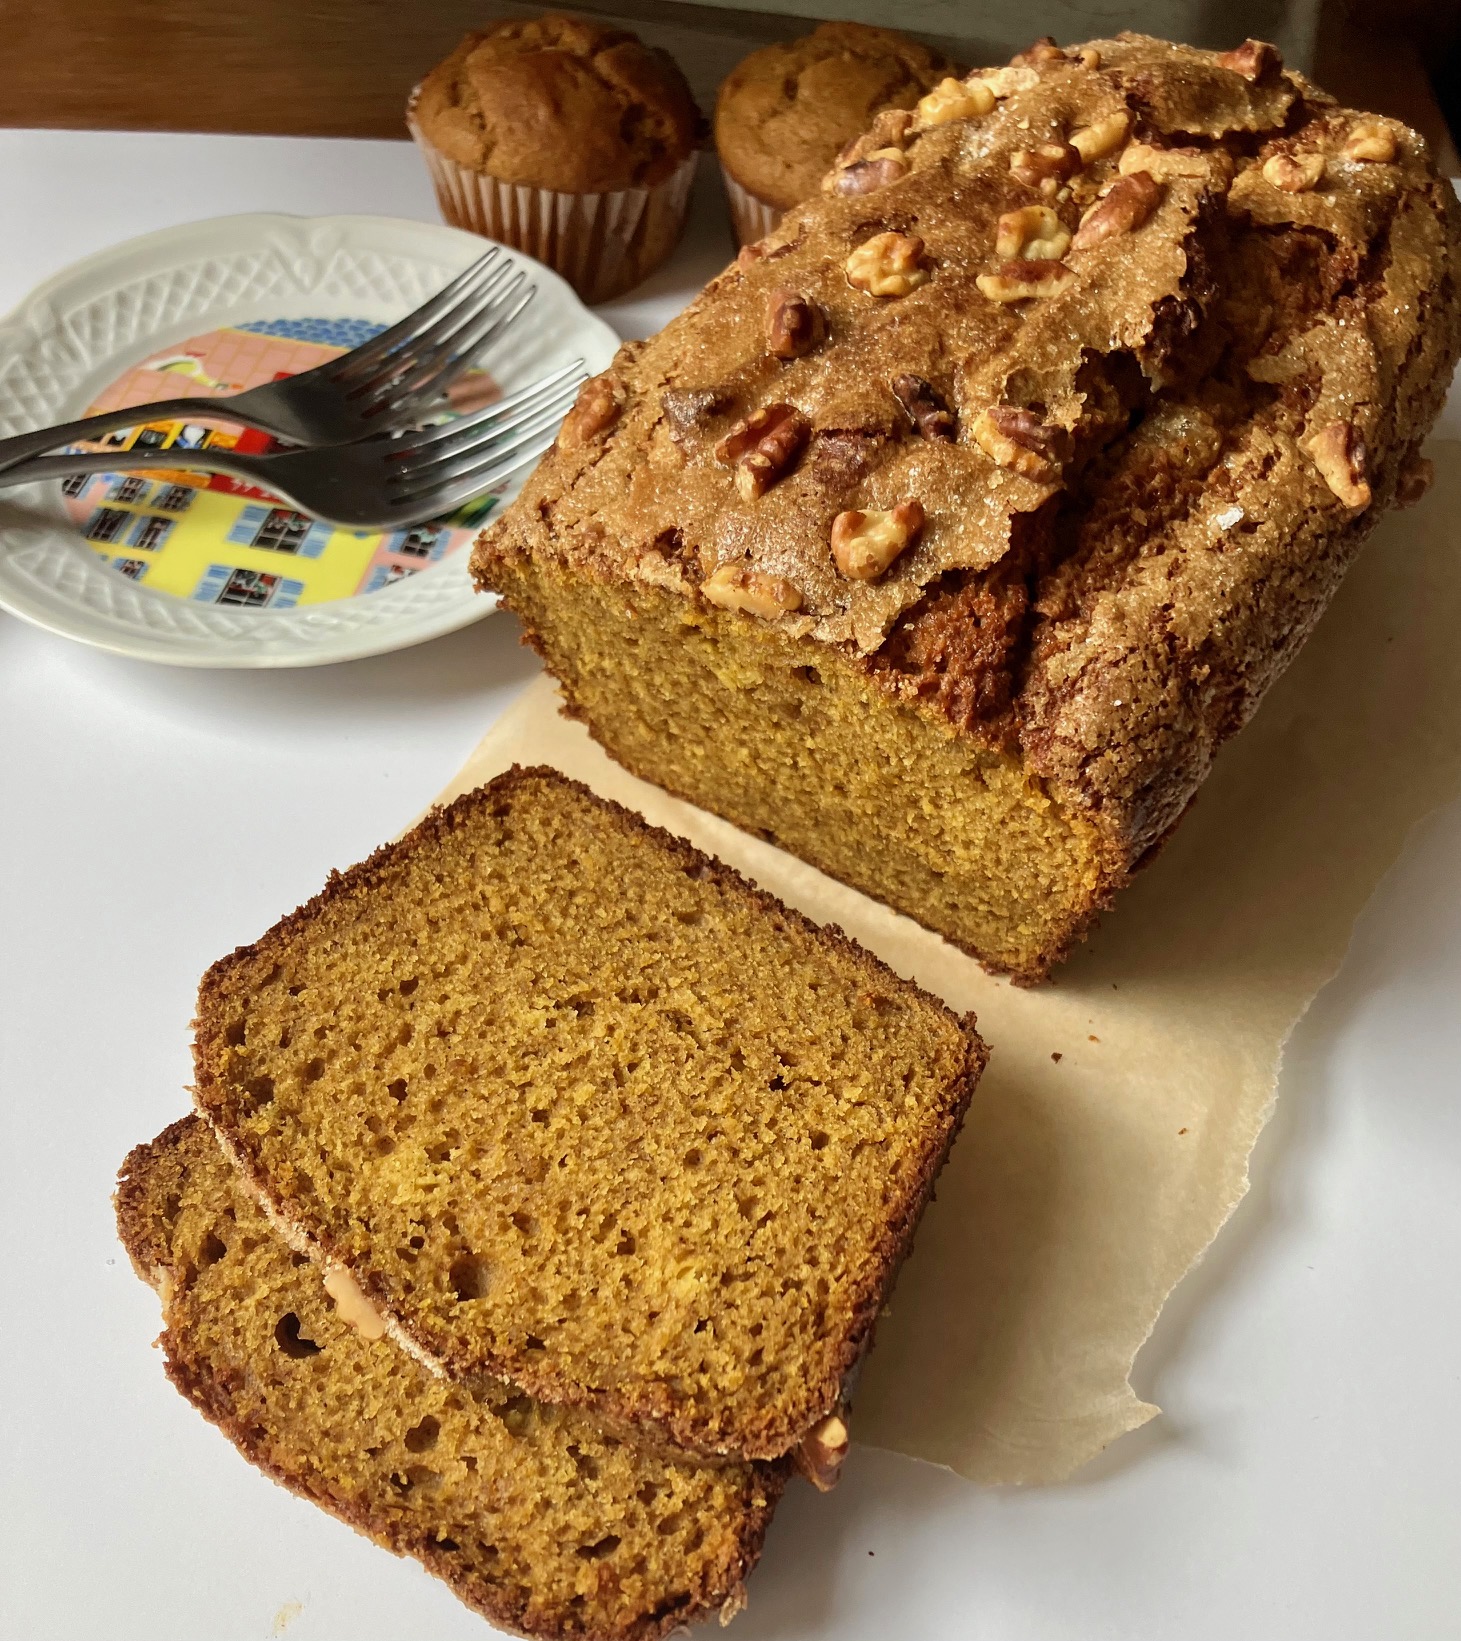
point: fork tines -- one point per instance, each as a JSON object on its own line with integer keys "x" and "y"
{"x": 422, "y": 353}
{"x": 451, "y": 463}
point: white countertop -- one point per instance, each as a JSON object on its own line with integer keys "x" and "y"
{"x": 1302, "y": 1485}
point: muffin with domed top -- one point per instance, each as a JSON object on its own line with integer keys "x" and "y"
{"x": 566, "y": 138}
{"x": 784, "y": 114}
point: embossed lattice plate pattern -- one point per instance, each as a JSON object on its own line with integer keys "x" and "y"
{"x": 79, "y": 330}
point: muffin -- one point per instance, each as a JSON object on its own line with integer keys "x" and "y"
{"x": 784, "y": 114}
{"x": 570, "y": 140}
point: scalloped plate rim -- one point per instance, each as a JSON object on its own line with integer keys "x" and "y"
{"x": 274, "y": 638}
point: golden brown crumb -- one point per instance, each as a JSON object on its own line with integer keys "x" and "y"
{"x": 530, "y": 1513}
{"x": 577, "y": 1106}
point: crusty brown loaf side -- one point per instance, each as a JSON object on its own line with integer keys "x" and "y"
{"x": 532, "y": 1515}
{"x": 682, "y": 1135}
{"x": 785, "y": 111}
{"x": 1108, "y": 619}
{"x": 560, "y": 102}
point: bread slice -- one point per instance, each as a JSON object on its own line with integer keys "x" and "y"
{"x": 579, "y": 1107}
{"x": 886, "y": 536}
{"x": 531, "y": 1514}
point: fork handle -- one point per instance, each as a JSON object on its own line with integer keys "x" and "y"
{"x": 252, "y": 471}
{"x": 24, "y": 445}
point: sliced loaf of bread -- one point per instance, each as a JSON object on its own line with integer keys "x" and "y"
{"x": 578, "y": 1107}
{"x": 531, "y": 1514}
{"x": 977, "y": 505}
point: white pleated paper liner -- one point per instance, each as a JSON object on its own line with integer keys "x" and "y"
{"x": 602, "y": 244}
{"x": 751, "y": 218}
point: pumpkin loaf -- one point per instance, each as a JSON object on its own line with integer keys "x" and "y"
{"x": 576, "y": 1106}
{"x": 531, "y": 1514}
{"x": 946, "y": 536}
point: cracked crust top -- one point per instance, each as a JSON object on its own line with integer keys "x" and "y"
{"x": 1061, "y": 410}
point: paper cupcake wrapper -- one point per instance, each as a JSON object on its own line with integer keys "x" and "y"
{"x": 751, "y": 218}
{"x": 602, "y": 244}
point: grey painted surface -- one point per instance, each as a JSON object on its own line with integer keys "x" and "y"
{"x": 993, "y": 28}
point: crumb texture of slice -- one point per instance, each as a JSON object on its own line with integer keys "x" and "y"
{"x": 794, "y": 744}
{"x": 533, "y": 1515}
{"x": 579, "y": 1107}
{"x": 1038, "y": 441}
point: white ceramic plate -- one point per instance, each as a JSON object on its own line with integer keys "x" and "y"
{"x": 273, "y": 282}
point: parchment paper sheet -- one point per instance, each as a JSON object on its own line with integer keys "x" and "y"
{"x": 1083, "y": 1187}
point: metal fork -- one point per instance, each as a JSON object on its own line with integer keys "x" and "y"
{"x": 382, "y": 483}
{"x": 386, "y": 383}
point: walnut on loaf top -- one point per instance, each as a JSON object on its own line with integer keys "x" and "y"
{"x": 1062, "y": 308}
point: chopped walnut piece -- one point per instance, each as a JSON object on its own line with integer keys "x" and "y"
{"x": 1338, "y": 451}
{"x": 351, "y": 1304}
{"x": 1019, "y": 440}
{"x": 890, "y": 129}
{"x": 820, "y": 1454}
{"x": 1294, "y": 173}
{"x": 865, "y": 544}
{"x": 1020, "y": 281}
{"x": 1101, "y": 137}
{"x": 1043, "y": 51}
{"x": 599, "y": 404}
{"x": 764, "y": 448}
{"x": 1033, "y": 233}
{"x": 1125, "y": 206}
{"x": 1254, "y": 60}
{"x": 1416, "y": 477}
{"x": 954, "y": 100}
{"x": 888, "y": 265}
{"x": 1162, "y": 163}
{"x": 795, "y": 324}
{"x": 1045, "y": 167}
{"x": 1370, "y": 141}
{"x": 754, "y": 592}
{"x": 882, "y": 167}
{"x": 926, "y": 410}
{"x": 1005, "y": 82}
{"x": 743, "y": 436}
{"x": 892, "y": 126}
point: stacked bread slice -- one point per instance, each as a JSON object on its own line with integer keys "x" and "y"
{"x": 534, "y": 1516}
{"x": 569, "y": 1175}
